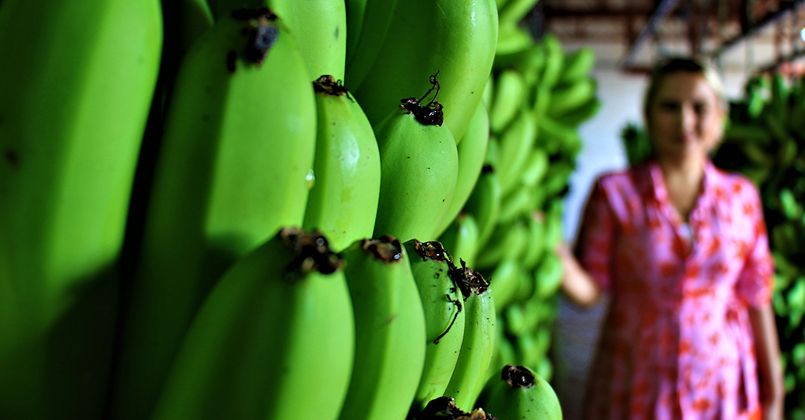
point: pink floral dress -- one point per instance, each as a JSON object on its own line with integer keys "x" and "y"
{"x": 676, "y": 342}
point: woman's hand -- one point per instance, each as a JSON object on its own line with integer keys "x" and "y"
{"x": 577, "y": 285}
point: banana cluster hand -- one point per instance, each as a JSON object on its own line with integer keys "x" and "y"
{"x": 143, "y": 185}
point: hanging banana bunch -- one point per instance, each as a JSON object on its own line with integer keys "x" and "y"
{"x": 231, "y": 171}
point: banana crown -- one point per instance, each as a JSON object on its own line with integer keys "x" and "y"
{"x": 260, "y": 32}
{"x": 446, "y": 408}
{"x": 469, "y": 281}
{"x": 386, "y": 249}
{"x": 311, "y": 252}
{"x": 518, "y": 376}
{"x": 326, "y": 84}
{"x": 426, "y": 113}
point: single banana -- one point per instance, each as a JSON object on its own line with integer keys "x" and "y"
{"x": 515, "y": 145}
{"x": 355, "y": 13}
{"x": 77, "y": 81}
{"x": 566, "y": 97}
{"x": 461, "y": 238}
{"x": 477, "y": 348}
{"x": 319, "y": 27}
{"x": 535, "y": 168}
{"x": 577, "y": 64}
{"x": 510, "y": 94}
{"x": 484, "y": 203}
{"x": 455, "y": 39}
{"x": 536, "y": 242}
{"x": 239, "y": 143}
{"x": 512, "y": 40}
{"x": 185, "y": 21}
{"x": 277, "y": 329}
{"x": 343, "y": 201}
{"x": 419, "y": 168}
{"x": 390, "y": 330}
{"x": 554, "y": 62}
{"x": 520, "y": 394}
{"x": 444, "y": 316}
{"x": 549, "y": 275}
{"x": 471, "y": 155}
{"x": 582, "y": 113}
{"x": 504, "y": 280}
{"x": 368, "y": 23}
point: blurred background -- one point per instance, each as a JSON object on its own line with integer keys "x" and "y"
{"x": 744, "y": 38}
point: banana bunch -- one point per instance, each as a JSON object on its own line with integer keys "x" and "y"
{"x": 536, "y": 98}
{"x": 164, "y": 174}
{"x": 232, "y": 170}
{"x": 76, "y": 93}
{"x": 764, "y": 141}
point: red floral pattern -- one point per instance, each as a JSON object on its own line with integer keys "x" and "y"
{"x": 677, "y": 342}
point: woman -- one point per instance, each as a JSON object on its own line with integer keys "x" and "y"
{"x": 681, "y": 249}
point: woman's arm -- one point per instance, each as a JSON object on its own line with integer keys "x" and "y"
{"x": 767, "y": 350}
{"x": 577, "y": 284}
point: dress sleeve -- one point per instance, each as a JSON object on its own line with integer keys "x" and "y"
{"x": 756, "y": 280}
{"x": 596, "y": 234}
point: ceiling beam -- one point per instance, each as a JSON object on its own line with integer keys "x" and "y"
{"x": 661, "y": 11}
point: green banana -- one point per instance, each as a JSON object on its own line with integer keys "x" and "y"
{"x": 581, "y": 113}
{"x": 231, "y": 172}
{"x": 554, "y": 62}
{"x": 355, "y": 13}
{"x": 484, "y": 203}
{"x": 504, "y": 282}
{"x": 375, "y": 17}
{"x": 548, "y": 275}
{"x": 77, "y": 80}
{"x": 512, "y": 41}
{"x": 389, "y": 330}
{"x": 455, "y": 39}
{"x": 343, "y": 201}
{"x": 577, "y": 65}
{"x": 471, "y": 154}
{"x": 489, "y": 90}
{"x": 419, "y": 166}
{"x": 185, "y": 21}
{"x": 535, "y": 168}
{"x": 566, "y": 97}
{"x": 515, "y": 145}
{"x": 477, "y": 347}
{"x": 461, "y": 238}
{"x": 520, "y": 394}
{"x": 510, "y": 95}
{"x": 536, "y": 240}
{"x": 319, "y": 27}
{"x": 277, "y": 329}
{"x": 515, "y": 204}
{"x": 444, "y": 317}
{"x": 508, "y": 241}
